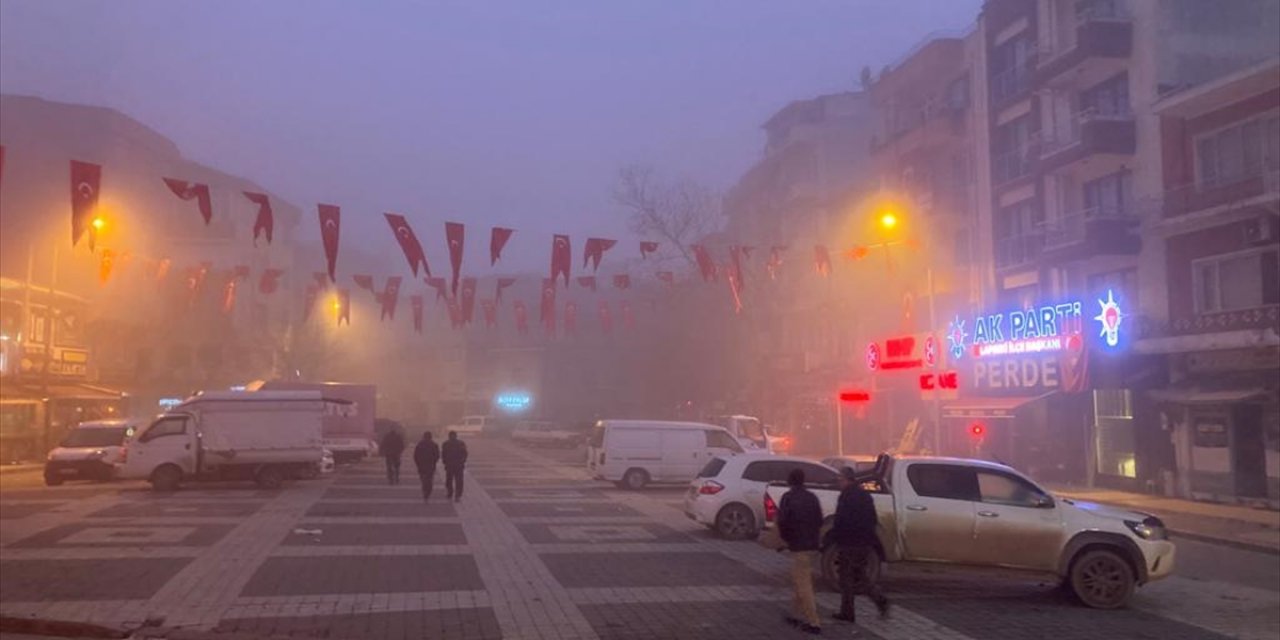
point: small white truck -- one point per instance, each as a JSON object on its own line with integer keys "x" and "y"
{"x": 265, "y": 436}
{"x": 973, "y": 513}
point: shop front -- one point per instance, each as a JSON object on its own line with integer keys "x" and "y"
{"x": 34, "y": 418}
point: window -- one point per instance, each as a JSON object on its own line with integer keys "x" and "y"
{"x": 712, "y": 469}
{"x": 1239, "y": 152}
{"x": 1107, "y": 98}
{"x": 764, "y": 472}
{"x": 943, "y": 481}
{"x": 1002, "y": 488}
{"x": 1114, "y": 439}
{"x": 814, "y": 474}
{"x": 722, "y": 440}
{"x": 1244, "y": 280}
{"x": 1110, "y": 195}
{"x": 165, "y": 427}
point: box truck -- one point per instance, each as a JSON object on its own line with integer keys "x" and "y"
{"x": 348, "y": 429}
{"x": 265, "y": 436}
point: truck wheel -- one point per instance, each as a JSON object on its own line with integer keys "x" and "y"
{"x": 635, "y": 479}
{"x": 736, "y": 522}
{"x": 830, "y": 563}
{"x": 269, "y": 478}
{"x": 1102, "y": 579}
{"x": 166, "y": 478}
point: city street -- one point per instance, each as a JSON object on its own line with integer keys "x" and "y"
{"x": 535, "y": 550}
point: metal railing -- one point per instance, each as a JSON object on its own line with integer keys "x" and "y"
{"x": 1072, "y": 228}
{"x": 1098, "y": 12}
{"x": 1011, "y": 165}
{"x": 1011, "y": 82}
{"x": 1052, "y": 141}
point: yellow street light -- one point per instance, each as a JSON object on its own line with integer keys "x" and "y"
{"x": 99, "y": 222}
{"x": 888, "y": 220}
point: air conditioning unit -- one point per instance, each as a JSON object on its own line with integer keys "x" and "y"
{"x": 1260, "y": 230}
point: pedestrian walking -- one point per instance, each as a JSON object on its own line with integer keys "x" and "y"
{"x": 392, "y": 447}
{"x": 425, "y": 457}
{"x": 853, "y": 533}
{"x": 800, "y": 527}
{"x": 453, "y": 453}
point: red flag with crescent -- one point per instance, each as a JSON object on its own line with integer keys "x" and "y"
{"x": 390, "y": 298}
{"x": 606, "y": 317}
{"x": 735, "y": 273}
{"x": 647, "y": 248}
{"x": 594, "y": 250}
{"x": 269, "y": 281}
{"x": 561, "y": 257}
{"x": 441, "y": 287}
{"x": 498, "y": 238}
{"x": 587, "y": 282}
{"x": 570, "y": 318}
{"x": 330, "y": 226}
{"x": 86, "y": 180}
{"x": 193, "y": 191}
{"x": 621, "y": 281}
{"x": 468, "y": 299}
{"x": 503, "y": 283}
{"x": 490, "y": 313}
{"x": 264, "y": 223}
{"x": 105, "y": 263}
{"x": 547, "y": 308}
{"x": 522, "y": 317}
{"x": 408, "y": 243}
{"x": 363, "y": 281}
{"x": 344, "y": 306}
{"x": 417, "y": 303}
{"x": 628, "y": 318}
{"x": 455, "y": 234}
{"x": 455, "y": 313}
{"x": 706, "y": 266}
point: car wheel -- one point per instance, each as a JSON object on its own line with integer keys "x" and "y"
{"x": 736, "y": 522}
{"x": 53, "y": 481}
{"x": 830, "y": 569}
{"x": 166, "y": 478}
{"x": 269, "y": 478}
{"x": 1102, "y": 579}
{"x": 635, "y": 479}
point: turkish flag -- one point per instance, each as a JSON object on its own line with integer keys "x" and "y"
{"x": 594, "y": 250}
{"x": 312, "y": 292}
{"x": 735, "y": 287}
{"x": 104, "y": 266}
{"x": 621, "y": 281}
{"x": 468, "y": 299}
{"x": 561, "y": 257}
{"x": 821, "y": 260}
{"x": 417, "y": 302}
{"x": 498, "y": 238}
{"x": 628, "y": 318}
{"x": 441, "y": 287}
{"x": 408, "y": 243}
{"x": 705, "y": 264}
{"x": 269, "y": 280}
{"x": 229, "y": 295}
{"x": 264, "y": 223}
{"x": 454, "y": 233}
{"x": 606, "y": 317}
{"x": 775, "y": 260}
{"x": 390, "y": 298}
{"x": 455, "y": 313}
{"x": 322, "y": 281}
{"x": 570, "y": 318}
{"x": 667, "y": 277}
{"x": 735, "y": 274}
{"x": 503, "y": 283}
{"x": 195, "y": 281}
{"x": 193, "y": 191}
{"x": 587, "y": 282}
{"x": 344, "y": 306}
{"x": 547, "y": 309}
{"x": 363, "y": 281}
{"x": 86, "y": 180}
{"x": 522, "y": 317}
{"x": 490, "y": 313}
{"x": 330, "y": 225}
{"x": 647, "y": 248}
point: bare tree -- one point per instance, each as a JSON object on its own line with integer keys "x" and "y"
{"x": 678, "y": 212}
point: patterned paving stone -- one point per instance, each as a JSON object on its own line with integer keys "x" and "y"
{"x": 573, "y": 509}
{"x": 1039, "y": 617}
{"x": 113, "y": 579}
{"x": 16, "y": 510}
{"x": 434, "y": 509}
{"x": 532, "y": 493}
{"x": 741, "y": 620}
{"x": 451, "y": 624}
{"x": 90, "y": 535}
{"x": 648, "y": 570}
{"x": 279, "y": 576}
{"x": 180, "y": 509}
{"x": 600, "y": 532}
{"x": 404, "y": 492}
{"x": 377, "y": 534}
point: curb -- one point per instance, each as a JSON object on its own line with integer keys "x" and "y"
{"x": 19, "y": 468}
{"x": 1225, "y": 542}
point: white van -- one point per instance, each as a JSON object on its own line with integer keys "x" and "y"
{"x": 634, "y": 453}
{"x": 749, "y": 430}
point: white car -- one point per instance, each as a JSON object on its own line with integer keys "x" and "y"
{"x": 468, "y": 426}
{"x": 91, "y": 451}
{"x": 546, "y": 434}
{"x": 728, "y": 494}
{"x": 635, "y": 453}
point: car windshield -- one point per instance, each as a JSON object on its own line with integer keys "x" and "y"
{"x": 751, "y": 429}
{"x": 97, "y": 437}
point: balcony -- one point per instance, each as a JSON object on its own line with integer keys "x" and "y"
{"x": 1103, "y": 39}
{"x": 1260, "y": 186}
{"x": 1013, "y": 165}
{"x": 1104, "y": 230}
{"x": 1089, "y": 133}
{"x": 1019, "y": 251}
{"x": 1011, "y": 84}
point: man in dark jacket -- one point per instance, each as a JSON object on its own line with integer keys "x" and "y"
{"x": 800, "y": 526}
{"x": 425, "y": 457}
{"x": 454, "y": 456}
{"x": 392, "y": 447}
{"x": 853, "y": 532}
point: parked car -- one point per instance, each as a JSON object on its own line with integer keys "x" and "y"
{"x": 860, "y": 463}
{"x": 635, "y": 453}
{"x": 961, "y": 512}
{"x": 90, "y": 451}
{"x": 750, "y": 432}
{"x": 468, "y": 426}
{"x": 728, "y": 494}
{"x": 546, "y": 434}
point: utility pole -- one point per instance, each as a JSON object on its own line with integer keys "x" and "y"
{"x": 48, "y": 346}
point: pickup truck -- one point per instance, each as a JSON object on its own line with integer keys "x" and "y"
{"x": 974, "y": 513}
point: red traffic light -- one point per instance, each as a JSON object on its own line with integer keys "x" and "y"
{"x": 977, "y": 429}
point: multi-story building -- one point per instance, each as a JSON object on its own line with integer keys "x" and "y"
{"x": 1216, "y": 242}
{"x": 1073, "y": 143}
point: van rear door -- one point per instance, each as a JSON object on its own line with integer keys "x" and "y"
{"x": 684, "y": 451}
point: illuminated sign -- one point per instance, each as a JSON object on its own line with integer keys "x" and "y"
{"x": 855, "y": 395}
{"x": 946, "y": 380}
{"x": 1110, "y": 318}
{"x": 930, "y": 352}
{"x": 1036, "y": 330}
{"x": 169, "y": 403}
{"x": 513, "y": 401}
{"x": 873, "y": 356}
{"x": 956, "y": 336}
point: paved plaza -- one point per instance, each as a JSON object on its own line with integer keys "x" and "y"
{"x": 535, "y": 550}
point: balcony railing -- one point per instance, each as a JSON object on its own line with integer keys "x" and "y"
{"x": 1113, "y": 12}
{"x": 1073, "y": 133}
{"x": 1010, "y": 83}
{"x": 1011, "y": 165}
{"x": 1073, "y": 228}
{"x": 1015, "y": 251}
{"x": 1260, "y": 183}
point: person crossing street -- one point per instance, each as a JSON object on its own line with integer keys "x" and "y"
{"x": 800, "y": 527}
{"x": 454, "y": 456}
{"x": 425, "y": 457}
{"x": 392, "y": 447}
{"x": 853, "y": 532}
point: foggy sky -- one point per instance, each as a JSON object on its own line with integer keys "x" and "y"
{"x": 512, "y": 113}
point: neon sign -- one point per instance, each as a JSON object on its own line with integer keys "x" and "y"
{"x": 1036, "y": 330}
{"x": 947, "y": 380}
{"x": 1110, "y": 317}
{"x": 513, "y": 401}
{"x": 956, "y": 336}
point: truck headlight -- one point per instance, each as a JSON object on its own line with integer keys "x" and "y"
{"x": 1150, "y": 528}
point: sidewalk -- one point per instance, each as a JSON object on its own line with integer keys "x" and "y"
{"x": 19, "y": 468}
{"x": 1237, "y": 526}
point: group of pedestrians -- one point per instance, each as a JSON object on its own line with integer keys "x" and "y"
{"x": 426, "y": 455}
{"x": 852, "y": 533}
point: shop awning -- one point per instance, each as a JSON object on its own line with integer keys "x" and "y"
{"x": 63, "y": 391}
{"x": 1215, "y": 396}
{"x": 987, "y": 407}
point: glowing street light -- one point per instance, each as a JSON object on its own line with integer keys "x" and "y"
{"x": 99, "y": 222}
{"x": 888, "y": 220}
